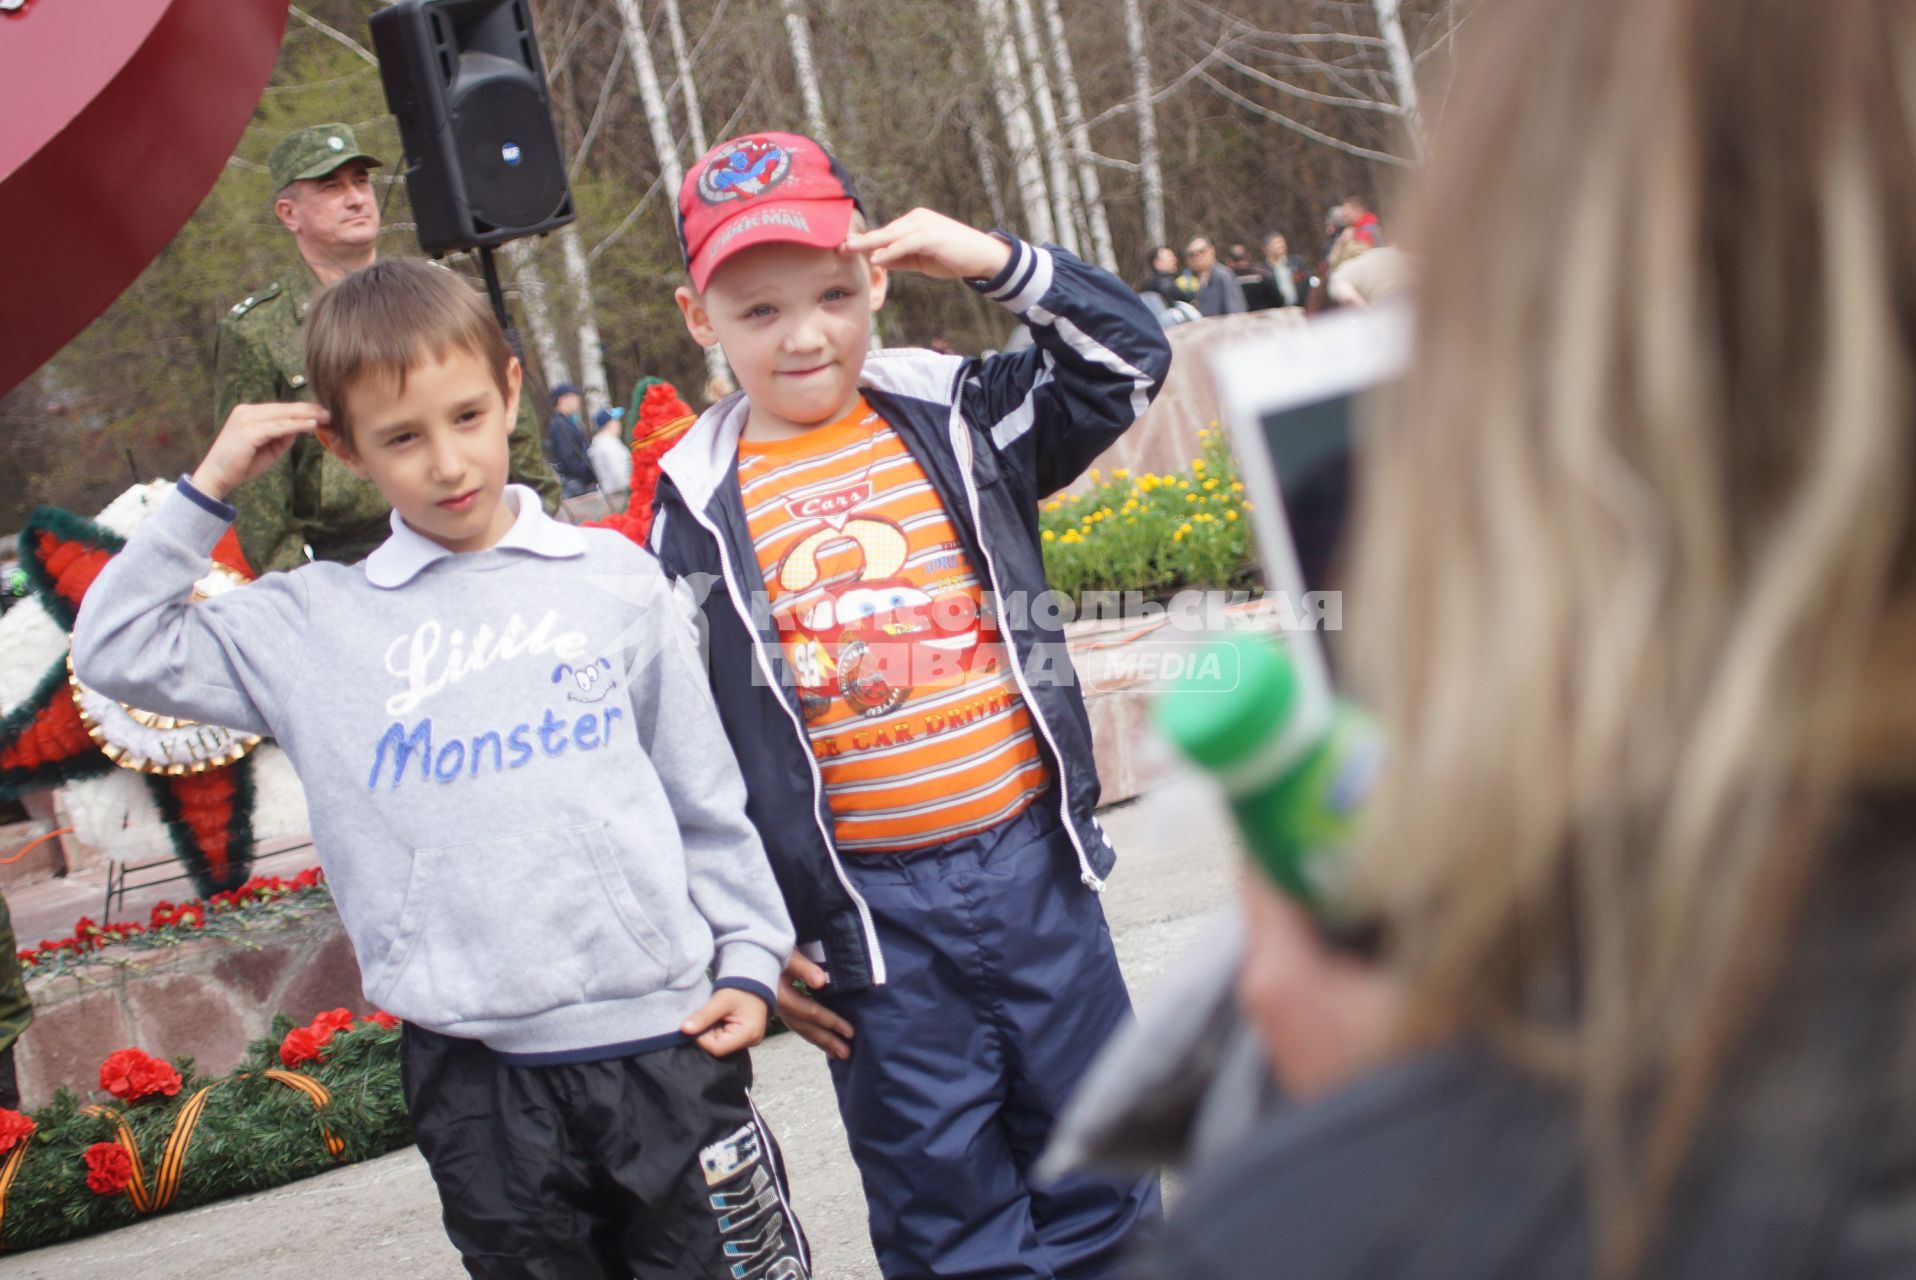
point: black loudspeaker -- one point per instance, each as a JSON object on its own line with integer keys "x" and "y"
{"x": 465, "y": 80}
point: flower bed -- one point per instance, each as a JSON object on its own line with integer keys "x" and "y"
{"x": 169, "y": 924}
{"x": 160, "y": 1137}
{"x": 1154, "y": 534}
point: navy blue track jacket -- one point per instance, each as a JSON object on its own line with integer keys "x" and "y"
{"x": 994, "y": 435}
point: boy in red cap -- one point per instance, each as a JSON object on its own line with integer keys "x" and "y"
{"x": 916, "y": 754}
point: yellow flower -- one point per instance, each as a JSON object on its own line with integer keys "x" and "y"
{"x": 1237, "y": 486}
{"x": 1247, "y": 504}
{"x": 1217, "y": 497}
{"x": 1049, "y": 536}
{"x": 1178, "y": 536}
{"x": 1204, "y": 433}
{"x": 1197, "y": 464}
{"x": 1053, "y": 505}
{"x": 1094, "y": 475}
{"x": 1230, "y": 515}
{"x": 1190, "y": 497}
{"x": 1184, "y": 484}
{"x": 1211, "y": 483}
{"x": 1072, "y": 535}
{"x": 1122, "y": 473}
{"x": 1184, "y": 528}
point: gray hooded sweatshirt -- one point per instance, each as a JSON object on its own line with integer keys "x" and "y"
{"x": 532, "y": 824}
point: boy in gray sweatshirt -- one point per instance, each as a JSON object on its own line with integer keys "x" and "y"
{"x": 528, "y": 812}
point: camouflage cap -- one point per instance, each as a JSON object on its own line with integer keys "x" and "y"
{"x": 314, "y": 152}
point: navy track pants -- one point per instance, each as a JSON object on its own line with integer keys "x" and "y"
{"x": 1001, "y": 986}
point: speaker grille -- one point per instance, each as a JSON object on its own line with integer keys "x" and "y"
{"x": 514, "y": 177}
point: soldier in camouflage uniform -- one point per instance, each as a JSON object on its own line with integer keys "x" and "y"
{"x": 325, "y": 200}
{"x": 16, "y": 1009}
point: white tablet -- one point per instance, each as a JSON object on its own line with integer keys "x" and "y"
{"x": 1292, "y": 403}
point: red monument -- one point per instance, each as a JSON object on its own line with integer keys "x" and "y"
{"x": 116, "y": 117}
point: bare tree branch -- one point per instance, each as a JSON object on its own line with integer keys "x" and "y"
{"x": 332, "y": 33}
{"x": 1127, "y": 106}
{"x": 625, "y": 223}
{"x": 1310, "y": 95}
{"x": 1236, "y": 25}
{"x": 1278, "y": 117}
{"x": 598, "y": 114}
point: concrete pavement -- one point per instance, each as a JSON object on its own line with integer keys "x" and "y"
{"x": 380, "y": 1220}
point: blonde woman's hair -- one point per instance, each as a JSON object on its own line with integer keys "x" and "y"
{"x": 1632, "y": 533}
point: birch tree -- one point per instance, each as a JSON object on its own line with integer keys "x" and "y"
{"x": 987, "y": 170}
{"x": 638, "y": 47}
{"x": 1403, "y": 72}
{"x": 1052, "y": 146}
{"x": 1150, "y": 170}
{"x": 1362, "y": 74}
{"x": 531, "y": 283}
{"x": 1020, "y": 133}
{"x": 578, "y": 277}
{"x": 1097, "y": 223}
{"x": 798, "y": 31}
{"x": 687, "y": 90}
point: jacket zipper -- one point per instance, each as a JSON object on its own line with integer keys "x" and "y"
{"x": 818, "y": 779}
{"x": 961, "y": 446}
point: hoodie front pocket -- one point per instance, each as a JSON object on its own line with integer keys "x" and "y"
{"x": 520, "y": 925}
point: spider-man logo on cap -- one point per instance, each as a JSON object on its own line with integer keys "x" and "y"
{"x": 762, "y": 188}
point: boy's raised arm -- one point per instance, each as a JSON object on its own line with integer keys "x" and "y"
{"x": 1098, "y": 359}
{"x": 1099, "y": 355}
{"x": 231, "y": 660}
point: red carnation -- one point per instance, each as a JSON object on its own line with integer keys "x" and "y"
{"x": 384, "y": 1020}
{"x": 302, "y": 1044}
{"x": 331, "y": 1022}
{"x": 14, "y": 1128}
{"x": 108, "y": 1168}
{"x": 159, "y": 1077}
{"x": 130, "y": 1074}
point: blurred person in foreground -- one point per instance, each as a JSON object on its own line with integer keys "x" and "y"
{"x": 1633, "y": 597}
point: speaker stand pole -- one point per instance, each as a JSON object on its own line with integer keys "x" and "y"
{"x": 498, "y": 296}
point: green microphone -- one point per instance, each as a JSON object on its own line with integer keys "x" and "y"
{"x": 1297, "y": 764}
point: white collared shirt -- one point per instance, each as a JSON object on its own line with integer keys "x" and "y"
{"x": 399, "y": 559}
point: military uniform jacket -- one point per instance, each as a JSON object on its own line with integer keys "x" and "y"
{"x": 308, "y": 497}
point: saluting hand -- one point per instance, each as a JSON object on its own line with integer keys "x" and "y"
{"x": 254, "y": 437}
{"x": 932, "y": 244}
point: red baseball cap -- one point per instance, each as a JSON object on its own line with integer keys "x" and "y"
{"x": 761, "y": 188}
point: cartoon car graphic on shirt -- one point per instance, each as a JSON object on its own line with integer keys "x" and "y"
{"x": 869, "y": 640}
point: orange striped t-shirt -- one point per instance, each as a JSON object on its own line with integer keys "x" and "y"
{"x": 912, "y": 709}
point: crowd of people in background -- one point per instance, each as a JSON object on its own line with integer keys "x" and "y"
{"x": 598, "y": 458}
{"x": 1201, "y": 285}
